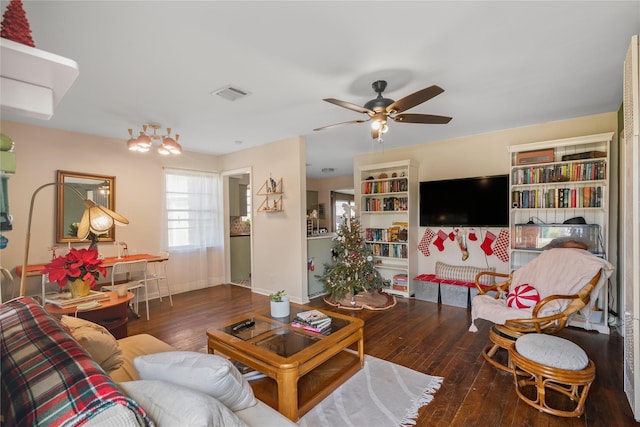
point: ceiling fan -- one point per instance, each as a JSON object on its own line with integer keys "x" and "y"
{"x": 381, "y": 109}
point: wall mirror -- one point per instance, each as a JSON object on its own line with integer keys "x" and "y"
{"x": 100, "y": 189}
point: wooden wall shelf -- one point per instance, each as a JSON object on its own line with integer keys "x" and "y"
{"x": 272, "y": 192}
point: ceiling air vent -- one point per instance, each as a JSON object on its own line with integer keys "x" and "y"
{"x": 230, "y": 93}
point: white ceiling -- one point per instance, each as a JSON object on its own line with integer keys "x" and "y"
{"x": 502, "y": 65}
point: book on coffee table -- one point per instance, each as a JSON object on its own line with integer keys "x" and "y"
{"x": 313, "y": 317}
{"x": 64, "y": 299}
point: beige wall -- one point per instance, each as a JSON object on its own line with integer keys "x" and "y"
{"x": 278, "y": 240}
{"x": 324, "y": 187}
{"x": 41, "y": 151}
{"x": 487, "y": 154}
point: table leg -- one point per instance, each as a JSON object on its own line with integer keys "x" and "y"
{"x": 361, "y": 347}
{"x": 288, "y": 393}
{"x": 44, "y": 282}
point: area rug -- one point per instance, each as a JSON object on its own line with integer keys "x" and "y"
{"x": 381, "y": 394}
{"x": 374, "y": 300}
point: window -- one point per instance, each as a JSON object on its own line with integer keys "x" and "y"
{"x": 192, "y": 210}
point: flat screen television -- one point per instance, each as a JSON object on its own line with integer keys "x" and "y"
{"x": 479, "y": 202}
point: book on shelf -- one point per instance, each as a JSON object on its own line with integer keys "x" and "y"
{"x": 65, "y": 300}
{"x": 247, "y": 372}
{"x": 242, "y": 367}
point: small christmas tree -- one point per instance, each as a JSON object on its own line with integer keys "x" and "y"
{"x": 15, "y": 26}
{"x": 352, "y": 270}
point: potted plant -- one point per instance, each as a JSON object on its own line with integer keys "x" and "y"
{"x": 279, "y": 304}
{"x": 78, "y": 269}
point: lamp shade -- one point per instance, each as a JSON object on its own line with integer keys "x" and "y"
{"x": 98, "y": 219}
{"x": 95, "y": 218}
{"x": 132, "y": 144}
{"x": 144, "y": 140}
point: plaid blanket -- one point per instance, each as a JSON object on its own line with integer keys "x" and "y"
{"x": 47, "y": 377}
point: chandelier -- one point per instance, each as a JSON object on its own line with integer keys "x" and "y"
{"x": 145, "y": 141}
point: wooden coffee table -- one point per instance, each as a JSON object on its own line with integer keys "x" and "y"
{"x": 302, "y": 367}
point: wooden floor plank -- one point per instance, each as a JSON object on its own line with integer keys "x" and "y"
{"x": 425, "y": 337}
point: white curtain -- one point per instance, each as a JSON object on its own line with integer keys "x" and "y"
{"x": 193, "y": 229}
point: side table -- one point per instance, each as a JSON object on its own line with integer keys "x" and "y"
{"x": 111, "y": 313}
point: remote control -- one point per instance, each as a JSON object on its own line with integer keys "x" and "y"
{"x": 245, "y": 324}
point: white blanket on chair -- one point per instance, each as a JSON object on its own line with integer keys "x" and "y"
{"x": 561, "y": 271}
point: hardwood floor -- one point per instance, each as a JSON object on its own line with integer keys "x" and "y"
{"x": 425, "y": 337}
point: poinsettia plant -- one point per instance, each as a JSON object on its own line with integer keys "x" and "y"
{"x": 77, "y": 264}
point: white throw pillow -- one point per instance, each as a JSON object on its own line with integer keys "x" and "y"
{"x": 171, "y": 405}
{"x": 207, "y": 373}
{"x": 464, "y": 273}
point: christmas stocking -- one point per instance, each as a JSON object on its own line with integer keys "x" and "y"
{"x": 426, "y": 241}
{"x": 439, "y": 243}
{"x": 500, "y": 248}
{"x": 488, "y": 241}
{"x": 452, "y": 235}
{"x": 472, "y": 234}
{"x": 462, "y": 243}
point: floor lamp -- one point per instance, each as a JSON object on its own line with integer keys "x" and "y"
{"x": 96, "y": 219}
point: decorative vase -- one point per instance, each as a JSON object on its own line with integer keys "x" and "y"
{"x": 280, "y": 308}
{"x": 79, "y": 288}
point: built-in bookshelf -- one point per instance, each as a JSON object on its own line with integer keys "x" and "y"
{"x": 388, "y": 214}
{"x": 555, "y": 181}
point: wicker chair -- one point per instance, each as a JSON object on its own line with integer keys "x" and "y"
{"x": 565, "y": 280}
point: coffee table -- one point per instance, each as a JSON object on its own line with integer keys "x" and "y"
{"x": 301, "y": 367}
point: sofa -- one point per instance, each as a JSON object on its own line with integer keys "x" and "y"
{"x": 69, "y": 372}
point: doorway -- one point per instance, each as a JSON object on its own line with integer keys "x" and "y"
{"x": 238, "y": 267}
{"x": 338, "y": 200}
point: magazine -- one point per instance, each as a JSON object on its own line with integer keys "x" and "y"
{"x": 65, "y": 300}
{"x": 312, "y": 316}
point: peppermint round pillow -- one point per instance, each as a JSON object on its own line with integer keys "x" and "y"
{"x": 523, "y": 296}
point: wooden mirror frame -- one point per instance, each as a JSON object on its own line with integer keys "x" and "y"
{"x": 67, "y": 200}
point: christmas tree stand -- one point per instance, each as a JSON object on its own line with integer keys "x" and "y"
{"x": 374, "y": 299}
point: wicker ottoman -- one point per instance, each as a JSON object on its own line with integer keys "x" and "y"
{"x": 556, "y": 366}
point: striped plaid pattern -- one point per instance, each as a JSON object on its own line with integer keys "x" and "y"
{"x": 463, "y": 273}
{"x": 47, "y": 377}
{"x": 432, "y": 278}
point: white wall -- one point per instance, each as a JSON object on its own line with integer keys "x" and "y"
{"x": 41, "y": 151}
{"x": 477, "y": 155}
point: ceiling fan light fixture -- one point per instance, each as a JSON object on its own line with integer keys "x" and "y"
{"x": 380, "y": 109}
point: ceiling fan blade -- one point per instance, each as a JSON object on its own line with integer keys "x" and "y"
{"x": 414, "y": 99}
{"x": 349, "y": 106}
{"x": 422, "y": 118}
{"x": 342, "y": 123}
